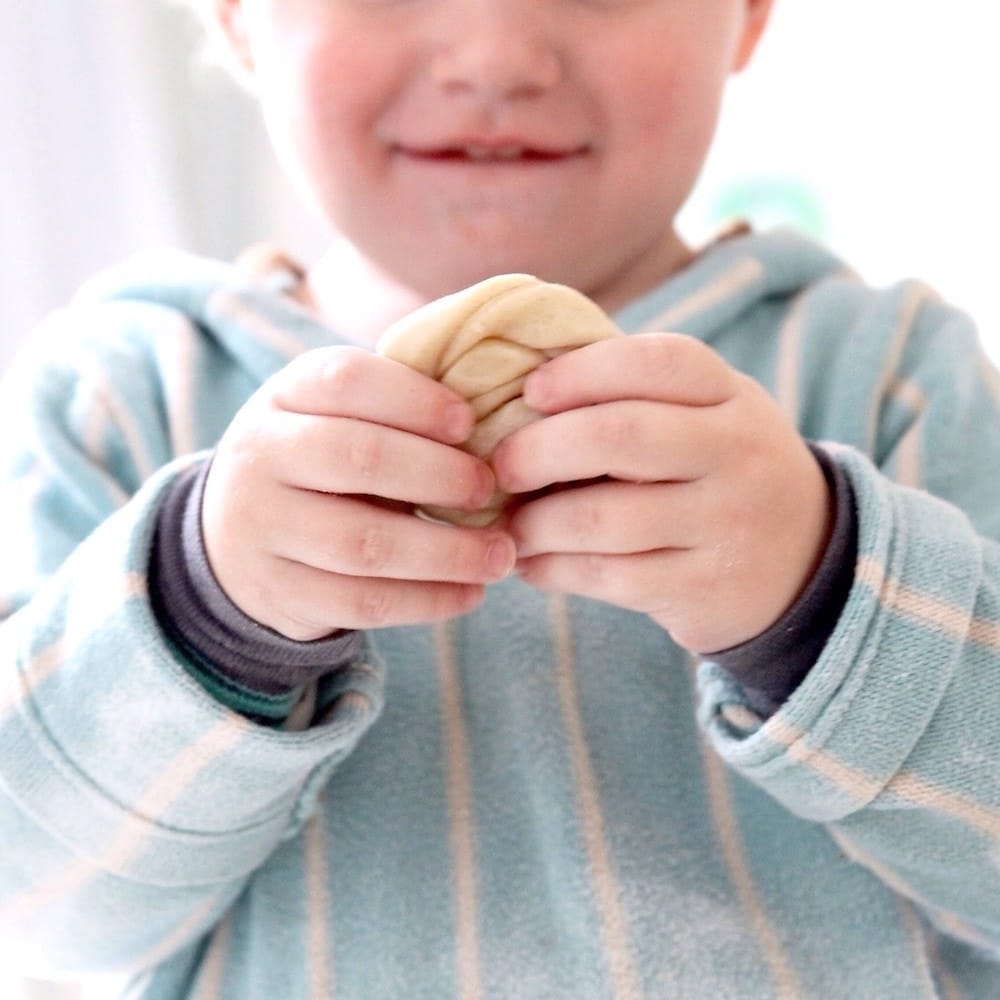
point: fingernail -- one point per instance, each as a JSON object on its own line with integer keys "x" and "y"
{"x": 505, "y": 480}
{"x": 486, "y": 484}
{"x": 457, "y": 421}
{"x": 536, "y": 389}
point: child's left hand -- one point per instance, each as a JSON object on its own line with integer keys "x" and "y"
{"x": 714, "y": 513}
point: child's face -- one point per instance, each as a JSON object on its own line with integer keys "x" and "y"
{"x": 455, "y": 139}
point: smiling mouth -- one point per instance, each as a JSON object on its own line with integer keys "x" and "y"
{"x": 475, "y": 153}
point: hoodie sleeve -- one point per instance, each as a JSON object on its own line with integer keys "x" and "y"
{"x": 893, "y": 738}
{"x": 124, "y": 786}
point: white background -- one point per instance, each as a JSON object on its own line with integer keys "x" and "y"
{"x": 886, "y": 111}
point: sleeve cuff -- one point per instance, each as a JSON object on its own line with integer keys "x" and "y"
{"x": 868, "y": 701}
{"x": 245, "y": 665}
{"x": 771, "y": 666}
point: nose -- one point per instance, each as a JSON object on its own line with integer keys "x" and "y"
{"x": 497, "y": 49}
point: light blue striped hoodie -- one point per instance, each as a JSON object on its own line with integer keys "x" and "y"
{"x": 544, "y": 799}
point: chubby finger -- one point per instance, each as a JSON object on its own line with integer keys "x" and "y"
{"x": 665, "y": 367}
{"x": 305, "y": 603}
{"x": 627, "y": 439}
{"x": 641, "y": 581}
{"x": 352, "y": 537}
{"x": 344, "y": 455}
{"x": 610, "y": 518}
{"x": 352, "y": 382}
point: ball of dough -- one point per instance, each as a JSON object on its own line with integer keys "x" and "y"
{"x": 483, "y": 342}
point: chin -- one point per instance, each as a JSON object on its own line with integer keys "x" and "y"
{"x": 439, "y": 275}
{"x": 456, "y": 253}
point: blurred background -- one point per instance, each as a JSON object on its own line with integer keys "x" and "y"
{"x": 864, "y": 123}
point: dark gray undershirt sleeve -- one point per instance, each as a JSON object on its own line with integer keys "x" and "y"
{"x": 771, "y": 666}
{"x": 251, "y": 668}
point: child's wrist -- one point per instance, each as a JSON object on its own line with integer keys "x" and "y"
{"x": 772, "y": 665}
{"x": 247, "y": 666}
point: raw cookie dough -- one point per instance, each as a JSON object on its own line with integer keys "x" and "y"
{"x": 483, "y": 342}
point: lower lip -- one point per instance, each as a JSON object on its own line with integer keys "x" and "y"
{"x": 519, "y": 163}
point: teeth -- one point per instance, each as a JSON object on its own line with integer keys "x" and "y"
{"x": 476, "y": 152}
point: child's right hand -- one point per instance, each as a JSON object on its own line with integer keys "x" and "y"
{"x": 307, "y": 510}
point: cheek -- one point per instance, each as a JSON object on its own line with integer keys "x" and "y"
{"x": 332, "y": 98}
{"x": 672, "y": 114}
{"x": 322, "y": 97}
{"x": 674, "y": 105}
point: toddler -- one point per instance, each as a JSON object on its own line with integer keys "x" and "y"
{"x": 713, "y": 710}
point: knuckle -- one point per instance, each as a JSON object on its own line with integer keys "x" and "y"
{"x": 585, "y": 521}
{"x": 615, "y": 429}
{"x": 245, "y": 439}
{"x": 687, "y": 352}
{"x": 664, "y": 351}
{"x": 276, "y": 387}
{"x": 690, "y": 362}
{"x": 342, "y": 369}
{"x": 284, "y": 385}
{"x": 321, "y": 373}
{"x": 364, "y": 452}
{"x": 690, "y": 347}
{"x": 655, "y": 352}
{"x": 374, "y": 606}
{"x": 374, "y": 549}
